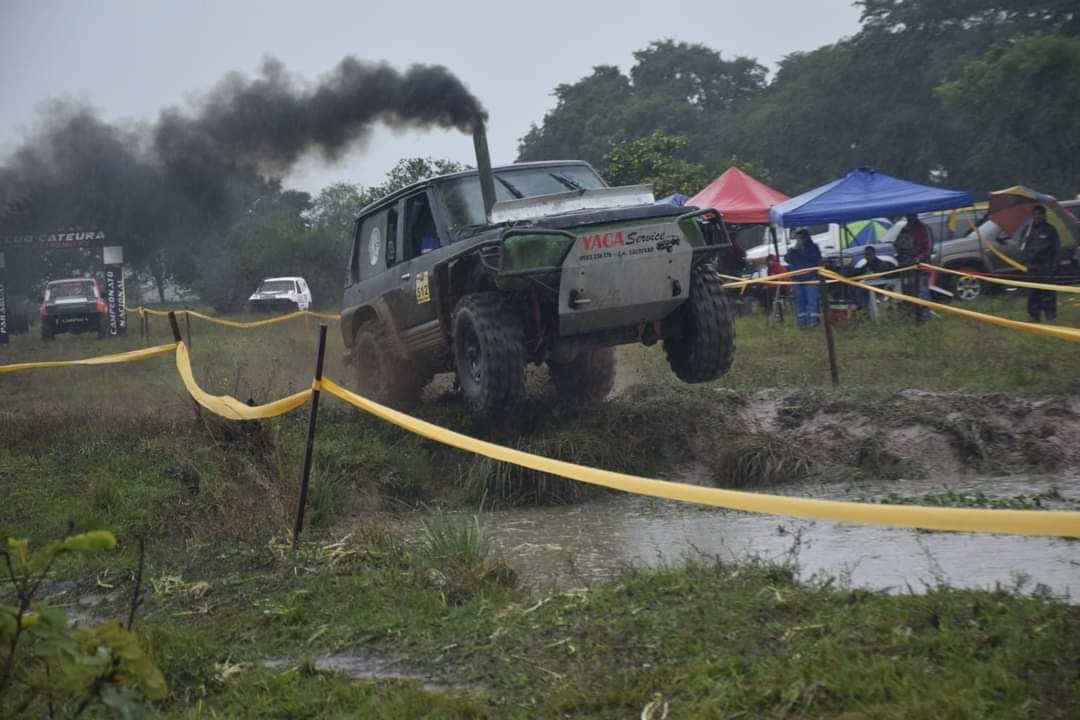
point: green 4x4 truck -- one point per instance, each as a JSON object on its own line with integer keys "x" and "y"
{"x": 481, "y": 272}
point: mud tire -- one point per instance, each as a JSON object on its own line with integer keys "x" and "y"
{"x": 46, "y": 331}
{"x": 488, "y": 344}
{"x": 380, "y": 374}
{"x": 699, "y": 337}
{"x": 588, "y": 378}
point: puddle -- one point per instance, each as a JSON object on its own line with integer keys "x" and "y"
{"x": 363, "y": 666}
{"x": 563, "y": 547}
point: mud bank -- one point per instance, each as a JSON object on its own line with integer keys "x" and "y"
{"x": 946, "y": 433}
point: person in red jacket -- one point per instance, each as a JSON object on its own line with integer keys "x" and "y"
{"x": 924, "y": 247}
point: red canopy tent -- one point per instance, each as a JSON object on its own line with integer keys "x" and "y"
{"x": 742, "y": 199}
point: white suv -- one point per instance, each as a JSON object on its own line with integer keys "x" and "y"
{"x": 280, "y": 294}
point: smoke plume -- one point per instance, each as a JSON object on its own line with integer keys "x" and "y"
{"x": 194, "y": 168}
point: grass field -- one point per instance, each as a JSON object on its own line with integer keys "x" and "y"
{"x": 117, "y": 447}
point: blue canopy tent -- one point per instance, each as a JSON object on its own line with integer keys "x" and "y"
{"x": 862, "y": 194}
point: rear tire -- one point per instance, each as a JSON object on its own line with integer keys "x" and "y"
{"x": 589, "y": 377}
{"x": 699, "y": 337}
{"x": 380, "y": 374}
{"x": 46, "y": 331}
{"x": 488, "y": 341}
{"x": 102, "y": 327}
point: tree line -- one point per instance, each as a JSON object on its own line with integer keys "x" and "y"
{"x": 978, "y": 94}
{"x": 975, "y": 94}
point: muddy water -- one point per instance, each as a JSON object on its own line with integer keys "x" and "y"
{"x": 564, "y": 547}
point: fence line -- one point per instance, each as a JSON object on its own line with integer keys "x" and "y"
{"x": 1018, "y": 522}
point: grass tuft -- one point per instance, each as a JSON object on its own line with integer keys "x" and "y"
{"x": 760, "y": 460}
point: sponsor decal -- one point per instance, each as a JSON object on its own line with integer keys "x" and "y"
{"x": 423, "y": 288}
{"x": 374, "y": 244}
{"x": 617, "y": 243}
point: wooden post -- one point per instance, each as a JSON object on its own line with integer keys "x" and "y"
{"x": 833, "y": 370}
{"x": 176, "y": 336}
{"x": 310, "y": 448}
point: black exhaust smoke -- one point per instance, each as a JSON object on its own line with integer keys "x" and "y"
{"x": 77, "y": 169}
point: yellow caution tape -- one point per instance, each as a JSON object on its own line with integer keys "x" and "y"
{"x": 124, "y": 357}
{"x": 236, "y": 323}
{"x": 777, "y": 279}
{"x": 1062, "y": 333}
{"x": 1006, "y": 281}
{"x": 229, "y": 407}
{"x": 1000, "y": 255}
{"x": 1016, "y": 522}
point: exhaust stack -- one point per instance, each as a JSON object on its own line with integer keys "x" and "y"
{"x": 483, "y": 165}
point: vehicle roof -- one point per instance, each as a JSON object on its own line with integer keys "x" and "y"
{"x": 69, "y": 280}
{"x": 394, "y": 196}
{"x": 286, "y": 277}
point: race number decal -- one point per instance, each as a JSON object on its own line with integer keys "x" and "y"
{"x": 423, "y": 288}
{"x": 374, "y": 243}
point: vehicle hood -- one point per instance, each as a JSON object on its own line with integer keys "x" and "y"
{"x": 582, "y": 218}
{"x": 575, "y": 201}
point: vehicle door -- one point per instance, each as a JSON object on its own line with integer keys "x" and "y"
{"x": 373, "y": 261}
{"x": 421, "y": 245}
{"x": 305, "y": 294}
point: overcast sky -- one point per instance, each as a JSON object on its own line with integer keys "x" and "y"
{"x": 130, "y": 58}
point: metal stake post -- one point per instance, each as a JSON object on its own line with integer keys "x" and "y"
{"x": 176, "y": 336}
{"x": 310, "y": 448}
{"x": 833, "y": 370}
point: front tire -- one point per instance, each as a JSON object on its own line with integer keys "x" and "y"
{"x": 588, "y": 377}
{"x": 489, "y": 353}
{"x": 379, "y": 373}
{"x": 699, "y": 337}
{"x": 966, "y": 289}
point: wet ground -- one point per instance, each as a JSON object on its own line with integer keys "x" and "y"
{"x": 566, "y": 547}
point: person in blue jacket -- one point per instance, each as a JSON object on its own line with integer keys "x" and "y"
{"x": 805, "y": 254}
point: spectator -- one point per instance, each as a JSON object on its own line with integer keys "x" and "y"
{"x": 805, "y": 254}
{"x": 773, "y": 266}
{"x": 1041, "y": 253}
{"x": 873, "y": 264}
{"x": 923, "y": 248}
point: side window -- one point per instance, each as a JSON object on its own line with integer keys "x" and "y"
{"x": 369, "y": 247}
{"x": 421, "y": 236}
{"x": 391, "y": 236}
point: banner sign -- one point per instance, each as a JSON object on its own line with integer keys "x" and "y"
{"x": 3, "y": 304}
{"x": 3, "y": 312}
{"x": 48, "y": 241}
{"x": 114, "y": 300}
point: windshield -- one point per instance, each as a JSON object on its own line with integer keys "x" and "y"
{"x": 275, "y": 286}
{"x": 83, "y": 289}
{"x": 465, "y": 204}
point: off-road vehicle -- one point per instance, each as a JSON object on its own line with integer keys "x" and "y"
{"x": 481, "y": 272}
{"x": 74, "y": 305}
{"x": 280, "y": 294}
